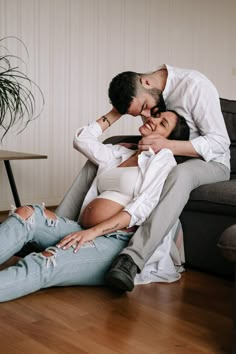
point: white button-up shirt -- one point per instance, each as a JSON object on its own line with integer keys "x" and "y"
{"x": 154, "y": 169}
{"x": 193, "y": 96}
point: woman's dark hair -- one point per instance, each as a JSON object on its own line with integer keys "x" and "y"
{"x": 181, "y": 130}
{"x": 122, "y": 90}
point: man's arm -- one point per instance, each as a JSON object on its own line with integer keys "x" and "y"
{"x": 213, "y": 140}
{"x": 180, "y": 148}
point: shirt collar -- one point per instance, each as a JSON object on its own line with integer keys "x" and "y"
{"x": 148, "y": 152}
{"x": 168, "y": 80}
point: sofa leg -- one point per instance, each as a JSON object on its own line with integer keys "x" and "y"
{"x": 234, "y": 311}
{"x": 234, "y": 340}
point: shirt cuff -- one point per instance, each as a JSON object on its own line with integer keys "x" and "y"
{"x": 93, "y": 129}
{"x": 201, "y": 145}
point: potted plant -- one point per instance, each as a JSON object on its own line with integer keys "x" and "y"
{"x": 17, "y": 100}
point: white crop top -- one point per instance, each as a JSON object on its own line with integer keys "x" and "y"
{"x": 118, "y": 184}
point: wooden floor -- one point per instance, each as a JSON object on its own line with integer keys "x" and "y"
{"x": 190, "y": 316}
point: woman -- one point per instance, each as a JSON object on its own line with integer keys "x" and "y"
{"x": 125, "y": 191}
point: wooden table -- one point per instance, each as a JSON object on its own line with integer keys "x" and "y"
{"x": 6, "y": 156}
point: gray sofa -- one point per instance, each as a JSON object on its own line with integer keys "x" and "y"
{"x": 210, "y": 210}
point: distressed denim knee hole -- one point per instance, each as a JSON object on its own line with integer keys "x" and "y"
{"x": 51, "y": 218}
{"x": 24, "y": 214}
{"x": 49, "y": 254}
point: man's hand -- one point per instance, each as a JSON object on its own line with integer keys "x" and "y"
{"x": 76, "y": 239}
{"x": 154, "y": 141}
{"x": 158, "y": 142}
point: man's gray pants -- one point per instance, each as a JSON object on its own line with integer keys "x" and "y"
{"x": 181, "y": 181}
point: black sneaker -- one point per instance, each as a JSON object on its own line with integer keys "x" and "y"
{"x": 122, "y": 273}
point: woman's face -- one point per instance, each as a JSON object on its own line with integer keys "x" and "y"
{"x": 163, "y": 124}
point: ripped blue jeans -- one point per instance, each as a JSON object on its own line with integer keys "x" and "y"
{"x": 63, "y": 267}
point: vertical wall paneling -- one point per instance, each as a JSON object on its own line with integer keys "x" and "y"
{"x": 75, "y": 47}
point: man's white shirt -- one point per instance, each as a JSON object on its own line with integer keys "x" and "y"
{"x": 193, "y": 96}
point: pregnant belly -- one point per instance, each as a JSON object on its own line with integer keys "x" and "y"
{"x": 98, "y": 211}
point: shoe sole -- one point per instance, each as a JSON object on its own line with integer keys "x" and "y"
{"x": 116, "y": 279}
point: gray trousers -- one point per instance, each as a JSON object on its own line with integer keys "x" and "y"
{"x": 181, "y": 181}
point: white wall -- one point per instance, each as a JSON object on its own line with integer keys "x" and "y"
{"x": 77, "y": 46}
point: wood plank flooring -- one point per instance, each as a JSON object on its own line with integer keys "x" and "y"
{"x": 190, "y": 316}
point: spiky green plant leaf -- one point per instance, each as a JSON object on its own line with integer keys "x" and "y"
{"x": 17, "y": 100}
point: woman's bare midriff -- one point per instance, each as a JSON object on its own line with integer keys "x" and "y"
{"x": 99, "y": 210}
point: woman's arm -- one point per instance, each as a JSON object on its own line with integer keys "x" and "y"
{"x": 86, "y": 139}
{"x": 107, "y": 120}
{"x": 116, "y": 222}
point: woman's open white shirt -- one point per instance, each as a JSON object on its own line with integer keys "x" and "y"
{"x": 154, "y": 169}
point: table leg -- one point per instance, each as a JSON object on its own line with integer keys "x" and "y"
{"x": 12, "y": 183}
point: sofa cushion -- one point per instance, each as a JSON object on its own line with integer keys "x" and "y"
{"x": 218, "y": 198}
{"x": 228, "y": 108}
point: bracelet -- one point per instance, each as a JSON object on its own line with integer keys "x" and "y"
{"x": 105, "y": 119}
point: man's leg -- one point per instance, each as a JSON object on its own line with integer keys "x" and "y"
{"x": 74, "y": 198}
{"x": 181, "y": 181}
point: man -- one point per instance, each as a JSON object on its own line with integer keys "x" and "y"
{"x": 192, "y": 95}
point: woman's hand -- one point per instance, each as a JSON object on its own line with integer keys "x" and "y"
{"x": 76, "y": 239}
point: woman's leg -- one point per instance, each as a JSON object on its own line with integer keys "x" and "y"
{"x": 32, "y": 223}
{"x": 57, "y": 267}
{"x": 14, "y": 232}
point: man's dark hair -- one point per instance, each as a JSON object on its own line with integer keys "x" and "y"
{"x": 122, "y": 90}
{"x": 181, "y": 130}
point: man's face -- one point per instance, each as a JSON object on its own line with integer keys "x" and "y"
{"x": 145, "y": 104}
{"x": 162, "y": 125}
